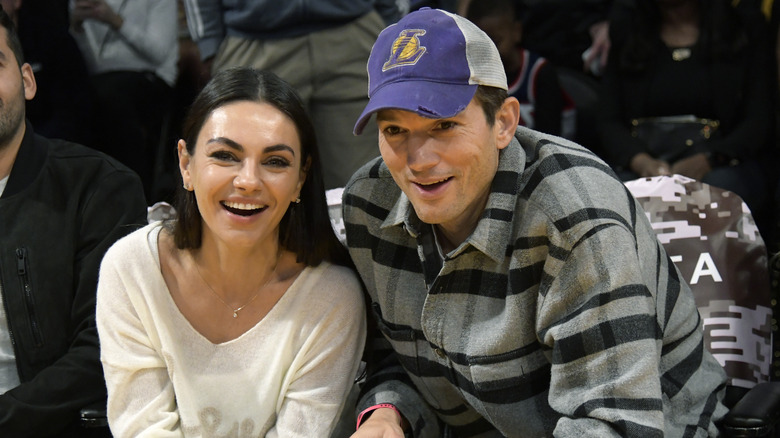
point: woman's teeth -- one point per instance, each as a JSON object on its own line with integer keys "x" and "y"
{"x": 241, "y": 206}
{"x": 242, "y": 209}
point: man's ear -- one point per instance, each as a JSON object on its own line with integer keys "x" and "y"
{"x": 507, "y": 118}
{"x": 28, "y": 82}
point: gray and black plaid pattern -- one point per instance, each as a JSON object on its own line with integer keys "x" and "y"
{"x": 560, "y": 314}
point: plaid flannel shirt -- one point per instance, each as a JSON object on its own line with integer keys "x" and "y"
{"x": 560, "y": 314}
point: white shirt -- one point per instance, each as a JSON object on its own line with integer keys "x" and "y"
{"x": 9, "y": 376}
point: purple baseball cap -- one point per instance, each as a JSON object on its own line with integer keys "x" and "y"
{"x": 430, "y": 62}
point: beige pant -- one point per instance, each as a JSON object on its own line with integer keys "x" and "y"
{"x": 328, "y": 68}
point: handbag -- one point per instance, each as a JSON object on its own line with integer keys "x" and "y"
{"x": 671, "y": 138}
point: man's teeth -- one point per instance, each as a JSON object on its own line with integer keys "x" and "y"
{"x": 241, "y": 206}
{"x": 433, "y": 182}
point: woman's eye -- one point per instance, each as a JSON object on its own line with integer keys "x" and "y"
{"x": 278, "y": 162}
{"x": 224, "y": 156}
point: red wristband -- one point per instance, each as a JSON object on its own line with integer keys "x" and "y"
{"x": 375, "y": 407}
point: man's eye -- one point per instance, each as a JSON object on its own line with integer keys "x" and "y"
{"x": 447, "y": 124}
{"x": 392, "y": 130}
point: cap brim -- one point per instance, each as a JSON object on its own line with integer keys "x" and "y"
{"x": 434, "y": 100}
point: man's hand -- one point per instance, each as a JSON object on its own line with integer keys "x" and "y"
{"x": 695, "y": 166}
{"x": 383, "y": 423}
{"x": 644, "y": 165}
{"x": 97, "y": 10}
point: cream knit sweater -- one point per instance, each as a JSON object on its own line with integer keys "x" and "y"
{"x": 287, "y": 376}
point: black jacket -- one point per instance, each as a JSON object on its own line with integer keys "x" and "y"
{"x": 63, "y": 206}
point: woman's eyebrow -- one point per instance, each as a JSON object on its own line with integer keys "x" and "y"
{"x": 227, "y": 142}
{"x": 237, "y": 146}
{"x": 280, "y": 147}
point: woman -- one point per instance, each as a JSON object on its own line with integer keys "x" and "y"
{"x": 698, "y": 59}
{"x": 234, "y": 319}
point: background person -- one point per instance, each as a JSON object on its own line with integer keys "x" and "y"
{"x": 61, "y": 206}
{"x": 707, "y": 60}
{"x": 131, "y": 51}
{"x": 544, "y": 106}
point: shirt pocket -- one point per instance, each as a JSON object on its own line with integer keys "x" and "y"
{"x": 507, "y": 383}
{"x": 410, "y": 348}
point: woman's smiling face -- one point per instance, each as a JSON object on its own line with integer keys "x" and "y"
{"x": 245, "y": 171}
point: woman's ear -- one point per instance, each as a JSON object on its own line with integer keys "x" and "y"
{"x": 304, "y": 173}
{"x": 507, "y": 118}
{"x": 184, "y": 163}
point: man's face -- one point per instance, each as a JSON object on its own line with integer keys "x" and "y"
{"x": 445, "y": 166}
{"x": 17, "y": 84}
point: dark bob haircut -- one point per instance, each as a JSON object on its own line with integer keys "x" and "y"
{"x": 305, "y": 228}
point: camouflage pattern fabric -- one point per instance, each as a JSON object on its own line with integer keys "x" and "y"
{"x": 711, "y": 236}
{"x": 334, "y": 211}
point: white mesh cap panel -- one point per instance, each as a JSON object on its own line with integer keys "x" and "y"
{"x": 483, "y": 58}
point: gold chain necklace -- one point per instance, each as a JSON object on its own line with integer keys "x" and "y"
{"x": 235, "y": 311}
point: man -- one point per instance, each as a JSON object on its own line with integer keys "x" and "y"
{"x": 61, "y": 206}
{"x": 518, "y": 286}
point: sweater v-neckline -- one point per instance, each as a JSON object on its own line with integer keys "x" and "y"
{"x": 173, "y": 308}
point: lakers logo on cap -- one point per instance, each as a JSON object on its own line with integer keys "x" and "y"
{"x": 406, "y": 49}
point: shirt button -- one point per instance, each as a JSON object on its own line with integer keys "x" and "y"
{"x": 439, "y": 352}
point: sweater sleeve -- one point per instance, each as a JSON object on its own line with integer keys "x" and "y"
{"x": 141, "y": 401}
{"x": 325, "y": 369}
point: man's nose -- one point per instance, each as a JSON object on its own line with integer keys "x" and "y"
{"x": 423, "y": 153}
